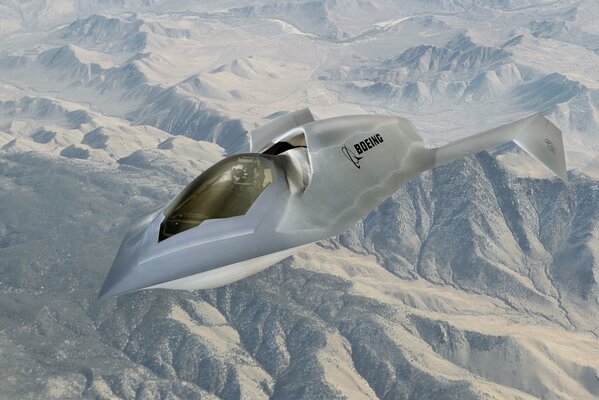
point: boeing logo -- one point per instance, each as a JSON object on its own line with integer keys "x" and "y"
{"x": 351, "y": 156}
{"x": 550, "y": 145}
{"x": 361, "y": 147}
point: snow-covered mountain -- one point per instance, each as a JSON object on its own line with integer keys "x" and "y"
{"x": 478, "y": 280}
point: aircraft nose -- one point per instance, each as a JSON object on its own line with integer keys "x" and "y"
{"x": 109, "y": 288}
{"x": 120, "y": 278}
{"x": 123, "y": 276}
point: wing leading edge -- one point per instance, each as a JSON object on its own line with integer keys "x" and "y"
{"x": 534, "y": 134}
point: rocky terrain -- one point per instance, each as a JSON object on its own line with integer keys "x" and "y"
{"x": 476, "y": 281}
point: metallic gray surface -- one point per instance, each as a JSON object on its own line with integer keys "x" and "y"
{"x": 142, "y": 261}
{"x": 343, "y": 188}
{"x": 338, "y": 195}
{"x": 265, "y": 136}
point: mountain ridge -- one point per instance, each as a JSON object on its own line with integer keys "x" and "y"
{"x": 477, "y": 280}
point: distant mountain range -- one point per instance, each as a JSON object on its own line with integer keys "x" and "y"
{"x": 478, "y": 280}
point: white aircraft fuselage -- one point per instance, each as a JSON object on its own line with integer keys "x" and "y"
{"x": 303, "y": 181}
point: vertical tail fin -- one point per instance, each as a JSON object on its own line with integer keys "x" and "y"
{"x": 534, "y": 134}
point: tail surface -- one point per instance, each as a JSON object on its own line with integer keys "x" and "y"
{"x": 534, "y": 134}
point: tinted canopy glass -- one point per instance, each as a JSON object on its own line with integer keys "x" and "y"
{"x": 227, "y": 189}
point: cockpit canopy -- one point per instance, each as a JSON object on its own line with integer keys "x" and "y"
{"x": 227, "y": 189}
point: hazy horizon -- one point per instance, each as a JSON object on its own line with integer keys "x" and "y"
{"x": 476, "y": 281}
